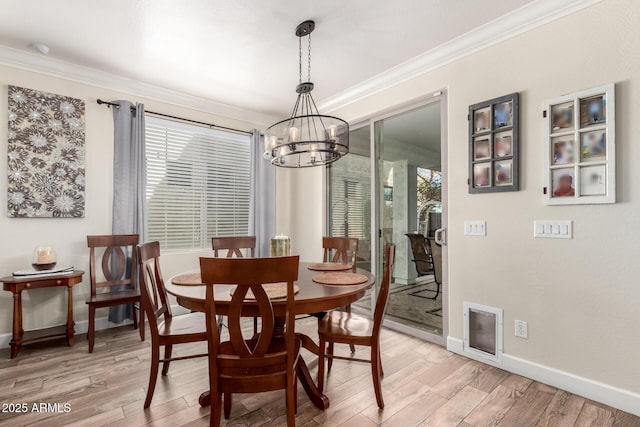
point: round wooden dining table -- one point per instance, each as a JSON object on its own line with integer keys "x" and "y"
{"x": 311, "y": 298}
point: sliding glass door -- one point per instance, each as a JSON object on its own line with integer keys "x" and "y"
{"x": 389, "y": 186}
{"x": 409, "y": 204}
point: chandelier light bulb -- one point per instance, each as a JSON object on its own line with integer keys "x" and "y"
{"x": 332, "y": 132}
{"x": 312, "y": 153}
{"x": 293, "y": 134}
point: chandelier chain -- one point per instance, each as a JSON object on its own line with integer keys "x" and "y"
{"x": 300, "y": 59}
{"x": 309, "y": 55}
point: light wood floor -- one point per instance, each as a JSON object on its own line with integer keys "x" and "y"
{"x": 424, "y": 386}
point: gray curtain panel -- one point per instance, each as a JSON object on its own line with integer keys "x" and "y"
{"x": 129, "y": 182}
{"x": 262, "y": 205}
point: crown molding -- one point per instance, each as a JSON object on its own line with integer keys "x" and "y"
{"x": 65, "y": 70}
{"x": 519, "y": 21}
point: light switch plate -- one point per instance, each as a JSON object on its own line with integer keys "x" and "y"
{"x": 475, "y": 228}
{"x": 553, "y": 229}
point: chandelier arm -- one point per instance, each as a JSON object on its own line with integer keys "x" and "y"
{"x": 315, "y": 127}
{"x": 324, "y": 128}
{"x": 294, "y": 113}
{"x": 309, "y": 121}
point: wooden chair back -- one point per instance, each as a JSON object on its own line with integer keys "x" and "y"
{"x": 152, "y": 291}
{"x": 234, "y": 245}
{"x": 345, "y": 250}
{"x": 246, "y": 357}
{"x": 118, "y": 259}
{"x": 421, "y": 253}
{"x": 383, "y": 295}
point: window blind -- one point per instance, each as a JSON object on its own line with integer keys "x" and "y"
{"x": 198, "y": 183}
{"x": 350, "y": 201}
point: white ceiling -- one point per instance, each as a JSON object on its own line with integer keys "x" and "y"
{"x": 241, "y": 52}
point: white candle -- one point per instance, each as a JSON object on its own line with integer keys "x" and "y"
{"x": 45, "y": 256}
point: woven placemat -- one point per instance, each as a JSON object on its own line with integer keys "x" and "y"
{"x": 340, "y": 278}
{"x": 273, "y": 291}
{"x": 187, "y": 279}
{"x": 329, "y": 266}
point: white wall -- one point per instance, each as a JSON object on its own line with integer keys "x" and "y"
{"x": 19, "y": 236}
{"x": 581, "y": 297}
{"x": 301, "y": 210}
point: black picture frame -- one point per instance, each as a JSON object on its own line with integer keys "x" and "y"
{"x": 499, "y": 124}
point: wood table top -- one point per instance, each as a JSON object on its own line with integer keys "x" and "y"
{"x": 42, "y": 276}
{"x": 313, "y": 297}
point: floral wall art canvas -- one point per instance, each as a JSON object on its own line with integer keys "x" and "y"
{"x": 46, "y": 138}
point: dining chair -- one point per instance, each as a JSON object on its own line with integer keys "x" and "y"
{"x": 166, "y": 329}
{"x": 118, "y": 267}
{"x": 345, "y": 250}
{"x": 234, "y": 246}
{"x": 266, "y": 361}
{"x": 347, "y": 328}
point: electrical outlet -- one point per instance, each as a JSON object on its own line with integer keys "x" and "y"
{"x": 521, "y": 329}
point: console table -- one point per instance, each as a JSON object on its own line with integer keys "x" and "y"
{"x": 16, "y": 285}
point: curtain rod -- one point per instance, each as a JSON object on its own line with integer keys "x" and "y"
{"x": 113, "y": 104}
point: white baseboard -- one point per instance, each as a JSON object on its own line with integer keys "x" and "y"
{"x": 624, "y": 400}
{"x": 82, "y": 326}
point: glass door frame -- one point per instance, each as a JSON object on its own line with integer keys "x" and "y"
{"x": 375, "y": 157}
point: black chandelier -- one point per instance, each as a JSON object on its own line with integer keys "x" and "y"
{"x": 306, "y": 138}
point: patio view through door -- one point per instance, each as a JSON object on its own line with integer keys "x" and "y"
{"x": 391, "y": 185}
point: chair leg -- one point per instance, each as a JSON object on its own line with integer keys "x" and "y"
{"x": 437, "y": 291}
{"x": 351, "y": 346}
{"x": 220, "y": 322}
{"x": 375, "y": 374}
{"x": 134, "y": 316}
{"x": 295, "y": 391}
{"x": 167, "y": 355}
{"x": 380, "y": 361}
{"x": 216, "y": 409}
{"x": 141, "y": 324}
{"x": 91, "y": 333}
{"x": 321, "y": 356}
{"x": 291, "y": 401}
{"x": 153, "y": 375}
{"x": 227, "y": 405}
{"x": 330, "y": 352}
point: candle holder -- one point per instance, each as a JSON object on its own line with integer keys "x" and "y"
{"x": 44, "y": 258}
{"x": 280, "y": 246}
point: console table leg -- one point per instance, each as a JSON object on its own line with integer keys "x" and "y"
{"x": 70, "y": 322}
{"x": 17, "y": 324}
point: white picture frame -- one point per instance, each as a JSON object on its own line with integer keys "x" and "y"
{"x": 580, "y": 148}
